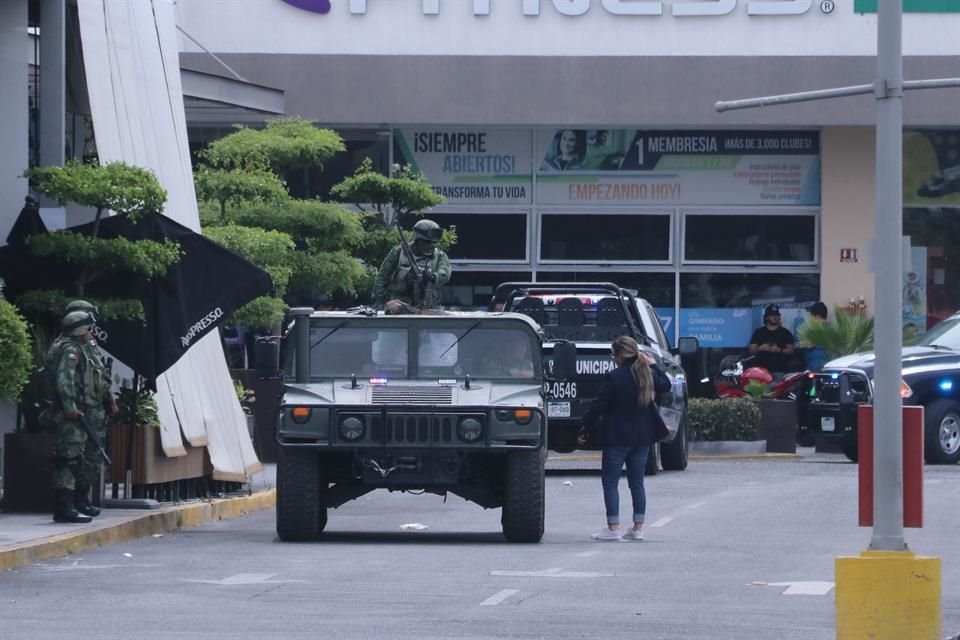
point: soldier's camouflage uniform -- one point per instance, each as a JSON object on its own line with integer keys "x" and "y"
{"x": 395, "y": 279}
{"x": 82, "y": 385}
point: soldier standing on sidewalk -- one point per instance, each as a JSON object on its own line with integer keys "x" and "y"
{"x": 82, "y": 391}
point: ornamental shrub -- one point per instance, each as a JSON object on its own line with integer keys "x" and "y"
{"x": 15, "y": 347}
{"x": 723, "y": 419}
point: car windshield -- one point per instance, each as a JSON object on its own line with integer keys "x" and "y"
{"x": 339, "y": 351}
{"x": 477, "y": 352}
{"x": 943, "y": 334}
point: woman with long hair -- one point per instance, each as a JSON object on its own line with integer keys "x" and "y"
{"x": 629, "y": 428}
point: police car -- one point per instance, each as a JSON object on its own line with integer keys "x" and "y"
{"x": 593, "y": 315}
{"x": 827, "y": 403}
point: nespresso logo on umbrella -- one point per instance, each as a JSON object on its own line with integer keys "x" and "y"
{"x": 200, "y": 326}
{"x": 616, "y": 7}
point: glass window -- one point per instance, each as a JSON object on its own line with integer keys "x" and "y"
{"x": 750, "y": 238}
{"x": 605, "y": 237}
{"x": 657, "y": 287}
{"x": 486, "y": 236}
{"x": 316, "y": 181}
{"x": 474, "y": 289}
{"x": 479, "y": 353}
{"x": 933, "y": 285}
{"x": 340, "y": 351}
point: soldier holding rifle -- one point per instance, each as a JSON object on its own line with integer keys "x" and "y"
{"x": 81, "y": 400}
{"x": 414, "y": 275}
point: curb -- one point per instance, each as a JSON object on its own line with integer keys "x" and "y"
{"x": 163, "y": 521}
{"x": 746, "y": 456}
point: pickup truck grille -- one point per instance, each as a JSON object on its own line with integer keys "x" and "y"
{"x": 412, "y": 395}
{"x": 825, "y": 389}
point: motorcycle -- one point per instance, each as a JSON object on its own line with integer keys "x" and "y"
{"x": 734, "y": 377}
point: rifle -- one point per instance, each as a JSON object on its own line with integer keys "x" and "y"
{"x": 92, "y": 436}
{"x": 421, "y": 298}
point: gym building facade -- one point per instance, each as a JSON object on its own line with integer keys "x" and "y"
{"x": 577, "y": 140}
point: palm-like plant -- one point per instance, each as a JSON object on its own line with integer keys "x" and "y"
{"x": 848, "y": 333}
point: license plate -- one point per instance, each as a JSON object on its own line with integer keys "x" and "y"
{"x": 558, "y": 409}
{"x": 828, "y": 423}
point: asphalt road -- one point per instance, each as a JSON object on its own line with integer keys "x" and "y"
{"x": 735, "y": 550}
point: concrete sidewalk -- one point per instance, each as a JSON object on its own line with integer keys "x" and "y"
{"x": 31, "y": 537}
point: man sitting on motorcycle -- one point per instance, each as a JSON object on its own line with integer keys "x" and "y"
{"x": 772, "y": 345}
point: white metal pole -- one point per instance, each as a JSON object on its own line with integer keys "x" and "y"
{"x": 888, "y": 271}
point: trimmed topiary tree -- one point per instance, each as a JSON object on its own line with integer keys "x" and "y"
{"x": 15, "y": 347}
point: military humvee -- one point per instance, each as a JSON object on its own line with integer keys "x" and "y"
{"x": 447, "y": 402}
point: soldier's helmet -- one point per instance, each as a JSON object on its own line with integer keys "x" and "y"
{"x": 77, "y": 323}
{"x": 427, "y": 230}
{"x": 83, "y": 305}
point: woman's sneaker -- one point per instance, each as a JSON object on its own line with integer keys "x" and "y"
{"x": 633, "y": 534}
{"x": 607, "y": 535}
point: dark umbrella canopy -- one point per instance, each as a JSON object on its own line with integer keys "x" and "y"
{"x": 195, "y": 296}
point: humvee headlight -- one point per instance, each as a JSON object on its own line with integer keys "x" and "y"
{"x": 503, "y": 415}
{"x": 300, "y": 414}
{"x": 351, "y": 428}
{"x": 470, "y": 429}
{"x": 522, "y": 416}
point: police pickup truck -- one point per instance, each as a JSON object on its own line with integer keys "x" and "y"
{"x": 593, "y": 315}
{"x": 827, "y": 403}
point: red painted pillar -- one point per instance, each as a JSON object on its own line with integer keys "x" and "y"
{"x": 912, "y": 465}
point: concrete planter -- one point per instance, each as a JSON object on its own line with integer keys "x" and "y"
{"x": 778, "y": 425}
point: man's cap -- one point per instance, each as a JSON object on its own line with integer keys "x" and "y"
{"x": 76, "y": 323}
{"x": 818, "y": 309}
{"x": 771, "y": 310}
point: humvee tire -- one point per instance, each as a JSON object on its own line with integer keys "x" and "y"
{"x": 673, "y": 455}
{"x": 301, "y": 489}
{"x": 523, "y": 502}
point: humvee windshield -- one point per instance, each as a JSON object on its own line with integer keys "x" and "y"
{"x": 477, "y": 350}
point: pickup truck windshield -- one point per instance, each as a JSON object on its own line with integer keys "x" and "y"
{"x": 380, "y": 352}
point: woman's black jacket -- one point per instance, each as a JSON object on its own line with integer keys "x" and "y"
{"x": 625, "y": 423}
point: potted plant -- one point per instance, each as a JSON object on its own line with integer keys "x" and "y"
{"x": 727, "y": 425}
{"x": 26, "y": 455}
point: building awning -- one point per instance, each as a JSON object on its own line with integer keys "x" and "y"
{"x": 211, "y": 98}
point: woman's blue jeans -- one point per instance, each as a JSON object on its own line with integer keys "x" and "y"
{"x": 610, "y": 468}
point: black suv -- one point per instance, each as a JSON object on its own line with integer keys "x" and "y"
{"x": 827, "y": 402}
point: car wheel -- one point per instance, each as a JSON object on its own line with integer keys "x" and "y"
{"x": 942, "y": 432}
{"x": 673, "y": 455}
{"x": 653, "y": 461}
{"x": 523, "y": 502}
{"x": 849, "y": 446}
{"x": 301, "y": 495}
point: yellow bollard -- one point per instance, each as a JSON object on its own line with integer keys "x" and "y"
{"x": 888, "y": 595}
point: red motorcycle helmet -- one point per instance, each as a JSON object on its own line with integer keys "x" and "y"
{"x": 756, "y": 374}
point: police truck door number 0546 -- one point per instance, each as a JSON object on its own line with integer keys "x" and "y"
{"x": 560, "y": 390}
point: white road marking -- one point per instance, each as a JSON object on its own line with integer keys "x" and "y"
{"x": 696, "y": 505}
{"x": 497, "y": 598}
{"x": 551, "y": 573}
{"x": 243, "y": 578}
{"x": 587, "y": 554}
{"x": 932, "y": 481}
{"x": 811, "y": 588}
{"x": 662, "y": 522}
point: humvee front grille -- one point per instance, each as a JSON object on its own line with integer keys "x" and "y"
{"x": 410, "y": 429}
{"x": 412, "y": 395}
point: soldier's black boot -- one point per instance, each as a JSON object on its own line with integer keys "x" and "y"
{"x": 81, "y": 501}
{"x": 65, "y": 512}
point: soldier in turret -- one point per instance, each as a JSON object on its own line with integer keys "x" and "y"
{"x": 414, "y": 275}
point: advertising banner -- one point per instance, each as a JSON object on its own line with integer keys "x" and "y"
{"x": 470, "y": 166}
{"x": 931, "y": 167}
{"x": 627, "y": 166}
{"x": 915, "y": 293}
